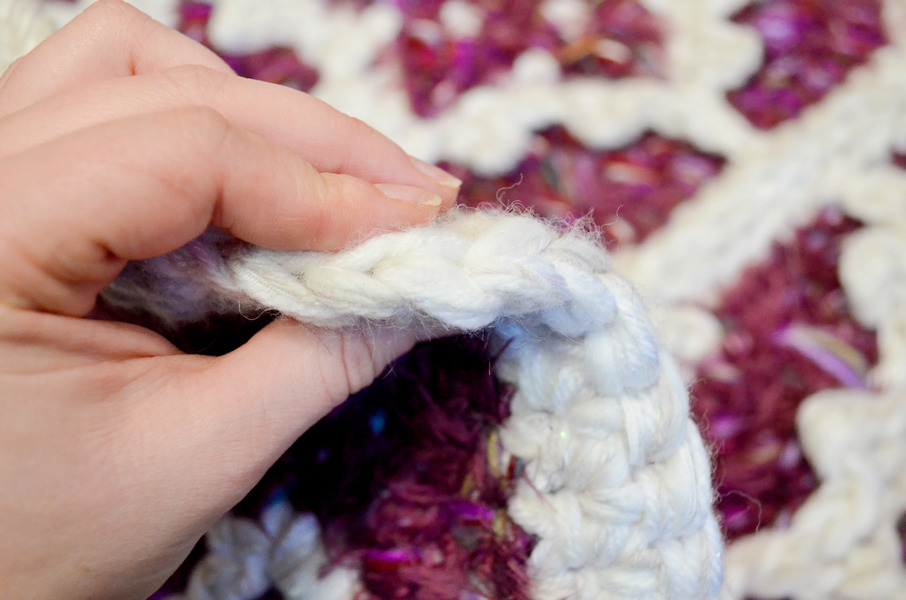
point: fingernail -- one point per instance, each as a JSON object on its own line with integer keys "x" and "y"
{"x": 409, "y": 194}
{"x": 437, "y": 174}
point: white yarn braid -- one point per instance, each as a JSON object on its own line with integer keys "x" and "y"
{"x": 617, "y": 482}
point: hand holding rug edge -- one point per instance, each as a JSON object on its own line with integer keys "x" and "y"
{"x": 98, "y": 408}
{"x": 588, "y": 585}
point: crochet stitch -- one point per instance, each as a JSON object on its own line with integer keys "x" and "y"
{"x": 617, "y": 486}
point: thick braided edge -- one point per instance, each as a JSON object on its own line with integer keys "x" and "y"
{"x": 617, "y": 484}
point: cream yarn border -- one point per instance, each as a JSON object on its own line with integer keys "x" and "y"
{"x": 617, "y": 484}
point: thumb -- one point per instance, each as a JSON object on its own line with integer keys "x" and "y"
{"x": 249, "y": 406}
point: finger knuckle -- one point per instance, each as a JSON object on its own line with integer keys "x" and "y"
{"x": 358, "y": 361}
{"x": 359, "y": 126}
{"x": 350, "y": 368}
{"x": 200, "y": 127}
{"x": 313, "y": 189}
{"x": 356, "y": 130}
{"x": 112, "y": 12}
{"x": 197, "y": 135}
{"x": 194, "y": 83}
{"x": 10, "y": 70}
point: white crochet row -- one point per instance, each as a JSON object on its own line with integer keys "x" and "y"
{"x": 618, "y": 481}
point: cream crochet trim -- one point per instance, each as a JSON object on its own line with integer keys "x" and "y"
{"x": 617, "y": 484}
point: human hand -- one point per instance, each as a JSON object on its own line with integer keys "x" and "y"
{"x": 119, "y": 140}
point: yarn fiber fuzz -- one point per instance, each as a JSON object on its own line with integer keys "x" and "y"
{"x": 616, "y": 487}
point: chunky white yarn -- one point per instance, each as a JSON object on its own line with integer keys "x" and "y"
{"x": 244, "y": 559}
{"x": 489, "y": 129}
{"x": 773, "y": 181}
{"x": 618, "y": 482}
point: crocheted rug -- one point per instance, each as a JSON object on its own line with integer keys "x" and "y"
{"x": 744, "y": 161}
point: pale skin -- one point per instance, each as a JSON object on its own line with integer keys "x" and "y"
{"x": 119, "y": 140}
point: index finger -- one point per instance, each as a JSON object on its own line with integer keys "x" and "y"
{"x": 332, "y": 141}
{"x": 146, "y": 185}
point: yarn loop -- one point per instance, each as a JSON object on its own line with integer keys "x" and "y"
{"x": 617, "y": 486}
